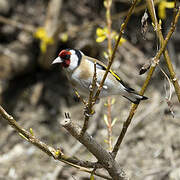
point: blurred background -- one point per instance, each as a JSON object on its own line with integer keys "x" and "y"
{"x": 32, "y": 32}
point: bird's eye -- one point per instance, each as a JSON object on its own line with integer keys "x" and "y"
{"x": 67, "y": 56}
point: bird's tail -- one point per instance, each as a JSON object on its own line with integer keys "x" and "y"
{"x": 134, "y": 96}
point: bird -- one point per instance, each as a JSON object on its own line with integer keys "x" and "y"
{"x": 79, "y": 70}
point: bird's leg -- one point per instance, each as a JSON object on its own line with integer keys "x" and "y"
{"x": 79, "y": 97}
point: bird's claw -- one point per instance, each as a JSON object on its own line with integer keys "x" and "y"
{"x": 86, "y": 113}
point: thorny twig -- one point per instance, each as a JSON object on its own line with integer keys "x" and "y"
{"x": 149, "y": 75}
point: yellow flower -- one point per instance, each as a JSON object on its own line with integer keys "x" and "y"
{"x": 101, "y": 34}
{"x": 45, "y": 40}
{"x": 162, "y": 8}
{"x": 64, "y": 37}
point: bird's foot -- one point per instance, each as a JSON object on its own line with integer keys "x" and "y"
{"x": 87, "y": 113}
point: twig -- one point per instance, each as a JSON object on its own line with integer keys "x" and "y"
{"x": 78, "y": 95}
{"x": 149, "y": 75}
{"x": 56, "y": 154}
{"x": 25, "y": 27}
{"x": 169, "y": 82}
{"x": 109, "y": 22}
{"x": 92, "y": 130}
{"x": 88, "y": 107}
{"x": 168, "y": 99}
{"x": 95, "y": 173}
{"x": 52, "y": 26}
{"x": 72, "y": 31}
{"x": 159, "y": 34}
{"x": 103, "y": 157}
{"x": 175, "y": 9}
{"x": 109, "y": 124}
{"x": 123, "y": 26}
{"x": 136, "y": 11}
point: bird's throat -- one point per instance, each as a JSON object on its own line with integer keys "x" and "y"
{"x": 66, "y": 63}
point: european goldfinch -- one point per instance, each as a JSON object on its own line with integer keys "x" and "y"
{"x": 80, "y": 70}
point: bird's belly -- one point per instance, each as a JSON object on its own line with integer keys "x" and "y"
{"x": 83, "y": 85}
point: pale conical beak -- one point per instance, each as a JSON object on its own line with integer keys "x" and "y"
{"x": 57, "y": 60}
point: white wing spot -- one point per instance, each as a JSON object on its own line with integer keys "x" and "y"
{"x": 105, "y": 87}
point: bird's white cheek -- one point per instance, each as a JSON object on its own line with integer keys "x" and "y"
{"x": 73, "y": 62}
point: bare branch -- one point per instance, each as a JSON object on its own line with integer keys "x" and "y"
{"x": 25, "y": 27}
{"x": 78, "y": 95}
{"x": 88, "y": 107}
{"x": 123, "y": 26}
{"x": 52, "y": 26}
{"x": 149, "y": 75}
{"x": 109, "y": 22}
{"x": 56, "y": 154}
{"x": 103, "y": 157}
{"x": 159, "y": 34}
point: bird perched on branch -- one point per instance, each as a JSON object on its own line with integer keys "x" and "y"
{"x": 80, "y": 71}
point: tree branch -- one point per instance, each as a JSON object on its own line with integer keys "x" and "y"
{"x": 28, "y": 28}
{"x": 109, "y": 22}
{"x": 103, "y": 157}
{"x": 149, "y": 75}
{"x": 88, "y": 107}
{"x": 159, "y": 34}
{"x": 52, "y": 26}
{"x": 56, "y": 154}
{"x": 123, "y": 26}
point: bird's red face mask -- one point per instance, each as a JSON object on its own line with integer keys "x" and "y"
{"x": 63, "y": 58}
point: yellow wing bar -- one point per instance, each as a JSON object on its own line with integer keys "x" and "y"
{"x": 115, "y": 75}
